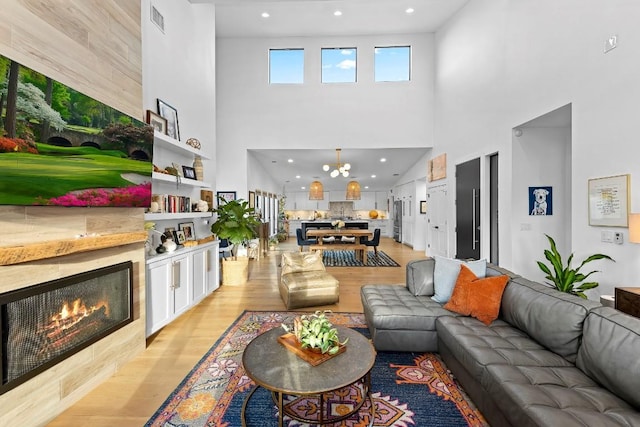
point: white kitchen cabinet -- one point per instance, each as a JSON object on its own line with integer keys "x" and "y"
{"x": 367, "y": 201}
{"x": 381, "y": 201}
{"x": 177, "y": 281}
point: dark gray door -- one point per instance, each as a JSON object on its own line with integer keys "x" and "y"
{"x": 468, "y": 210}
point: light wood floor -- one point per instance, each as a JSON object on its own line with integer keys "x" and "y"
{"x": 136, "y": 391}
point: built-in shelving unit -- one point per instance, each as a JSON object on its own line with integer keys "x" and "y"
{"x": 183, "y": 185}
{"x": 166, "y": 142}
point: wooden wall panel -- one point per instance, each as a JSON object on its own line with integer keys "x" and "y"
{"x": 93, "y": 46}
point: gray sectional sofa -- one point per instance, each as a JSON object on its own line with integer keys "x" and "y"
{"x": 550, "y": 359}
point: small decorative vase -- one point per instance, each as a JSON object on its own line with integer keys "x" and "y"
{"x": 197, "y": 165}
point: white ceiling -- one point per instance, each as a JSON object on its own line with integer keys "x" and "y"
{"x": 364, "y": 163}
{"x": 308, "y": 18}
{"x": 290, "y": 18}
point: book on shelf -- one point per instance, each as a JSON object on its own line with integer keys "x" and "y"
{"x": 170, "y": 203}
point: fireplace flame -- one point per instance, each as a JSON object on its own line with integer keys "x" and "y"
{"x": 72, "y": 313}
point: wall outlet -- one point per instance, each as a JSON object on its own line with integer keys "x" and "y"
{"x": 618, "y": 238}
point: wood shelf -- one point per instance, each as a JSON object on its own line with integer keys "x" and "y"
{"x": 176, "y": 146}
{"x": 183, "y": 181}
{"x": 150, "y": 216}
{"x": 10, "y": 255}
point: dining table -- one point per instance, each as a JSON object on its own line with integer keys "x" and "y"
{"x": 355, "y": 245}
{"x": 340, "y": 232}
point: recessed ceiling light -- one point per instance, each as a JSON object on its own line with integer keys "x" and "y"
{"x": 366, "y": 187}
{"x": 373, "y": 176}
{"x": 297, "y": 176}
{"x": 410, "y": 10}
{"x": 290, "y": 160}
{"x": 382, "y": 160}
{"x": 337, "y": 13}
{"x": 265, "y": 14}
{"x": 303, "y": 188}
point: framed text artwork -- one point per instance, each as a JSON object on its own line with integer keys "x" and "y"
{"x": 252, "y": 199}
{"x": 227, "y": 195}
{"x": 423, "y": 206}
{"x": 609, "y": 201}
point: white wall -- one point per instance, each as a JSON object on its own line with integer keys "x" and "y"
{"x": 178, "y": 66}
{"x": 259, "y": 179}
{"x": 500, "y": 63}
{"x": 254, "y": 114}
{"x": 541, "y": 157}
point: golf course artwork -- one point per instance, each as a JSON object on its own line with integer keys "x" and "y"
{"x": 59, "y": 147}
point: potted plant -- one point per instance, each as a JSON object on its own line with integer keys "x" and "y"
{"x": 315, "y": 332}
{"x": 273, "y": 242}
{"x": 565, "y": 278}
{"x": 235, "y": 222}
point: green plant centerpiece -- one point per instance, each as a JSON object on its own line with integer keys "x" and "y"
{"x": 565, "y": 278}
{"x": 235, "y": 222}
{"x": 314, "y": 331}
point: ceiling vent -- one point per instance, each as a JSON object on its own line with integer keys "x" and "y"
{"x": 157, "y": 18}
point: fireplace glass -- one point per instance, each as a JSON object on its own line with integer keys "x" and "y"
{"x": 46, "y": 323}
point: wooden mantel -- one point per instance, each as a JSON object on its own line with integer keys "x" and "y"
{"x": 10, "y": 255}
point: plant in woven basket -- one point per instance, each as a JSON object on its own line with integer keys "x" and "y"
{"x": 314, "y": 331}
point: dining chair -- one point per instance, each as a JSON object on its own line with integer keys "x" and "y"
{"x": 375, "y": 241}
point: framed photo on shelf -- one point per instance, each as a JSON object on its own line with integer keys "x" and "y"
{"x": 180, "y": 237}
{"x": 169, "y": 233}
{"x": 157, "y": 122}
{"x": 609, "y": 201}
{"x": 189, "y": 172}
{"x": 207, "y": 196}
{"x": 188, "y": 229}
{"x": 171, "y": 115}
{"x": 227, "y": 195}
{"x": 423, "y": 206}
{"x": 252, "y": 199}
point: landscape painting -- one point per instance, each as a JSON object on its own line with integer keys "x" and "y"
{"x": 60, "y": 147}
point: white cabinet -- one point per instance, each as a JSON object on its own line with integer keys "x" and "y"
{"x": 367, "y": 201}
{"x": 177, "y": 281}
{"x": 323, "y": 205}
{"x": 293, "y": 224}
{"x": 205, "y": 271}
{"x": 168, "y": 286}
{"x": 382, "y": 203}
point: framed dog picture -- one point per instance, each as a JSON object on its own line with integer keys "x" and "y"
{"x": 540, "y": 201}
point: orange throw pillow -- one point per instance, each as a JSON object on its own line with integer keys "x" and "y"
{"x": 475, "y": 297}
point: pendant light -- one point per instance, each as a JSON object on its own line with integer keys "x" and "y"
{"x": 316, "y": 191}
{"x": 353, "y": 190}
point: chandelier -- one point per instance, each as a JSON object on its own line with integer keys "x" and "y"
{"x": 338, "y": 168}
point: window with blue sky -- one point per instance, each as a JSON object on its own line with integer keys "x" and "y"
{"x": 392, "y": 64}
{"x": 339, "y": 65}
{"x": 286, "y": 66}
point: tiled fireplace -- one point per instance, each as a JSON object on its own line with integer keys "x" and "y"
{"x": 43, "y": 324}
{"x": 106, "y": 338}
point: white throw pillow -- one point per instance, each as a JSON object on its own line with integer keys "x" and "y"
{"x": 445, "y": 274}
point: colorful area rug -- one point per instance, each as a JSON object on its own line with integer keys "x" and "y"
{"x": 409, "y": 389}
{"x": 338, "y": 258}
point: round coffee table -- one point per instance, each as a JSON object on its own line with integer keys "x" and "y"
{"x": 271, "y": 366}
